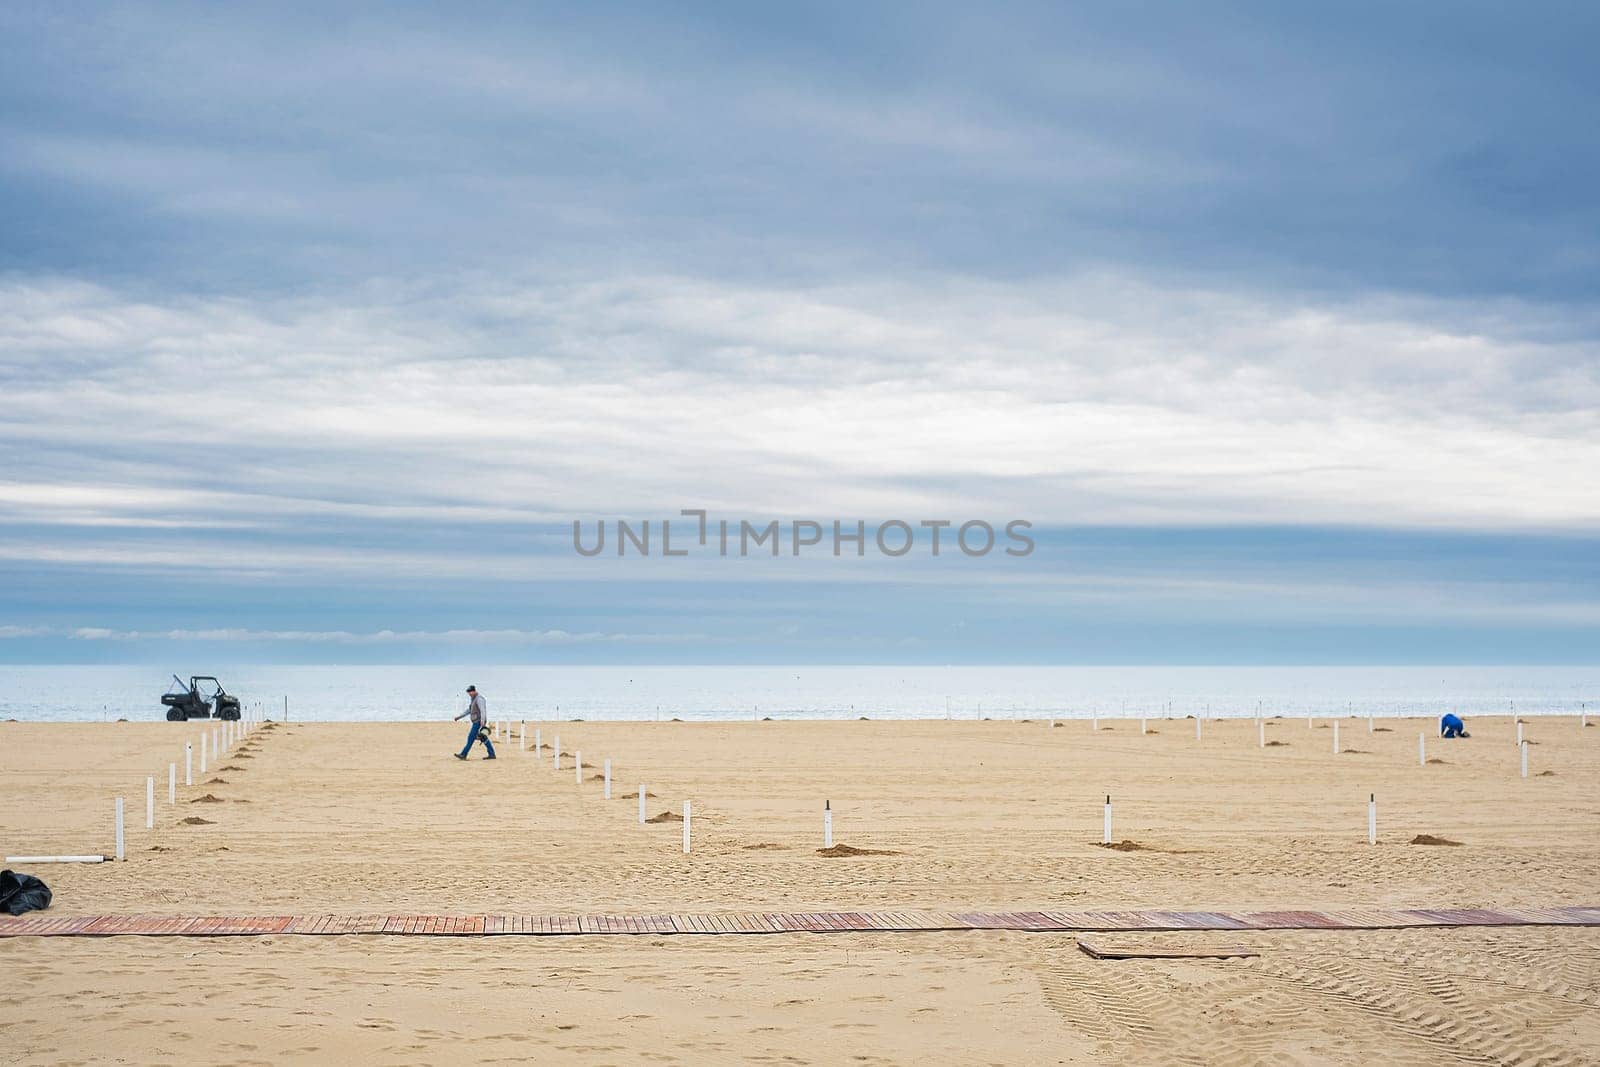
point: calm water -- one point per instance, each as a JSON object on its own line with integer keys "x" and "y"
{"x": 412, "y": 693}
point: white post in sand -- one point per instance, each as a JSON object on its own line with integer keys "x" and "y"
{"x": 577, "y": 766}
{"x": 1422, "y": 750}
{"x": 1336, "y": 737}
{"x": 1197, "y": 727}
{"x": 686, "y": 827}
{"x": 1311, "y": 722}
{"x": 1094, "y": 722}
{"x": 608, "y": 779}
{"x": 555, "y": 754}
{"x": 1144, "y": 726}
{"x": 641, "y": 803}
{"x": 536, "y": 744}
{"x": 1519, "y": 733}
{"x": 202, "y": 753}
{"x": 119, "y": 828}
{"x": 1583, "y": 716}
{"x": 172, "y": 783}
{"x": 522, "y": 736}
{"x": 150, "y": 802}
{"x": 1261, "y": 731}
{"x": 188, "y": 763}
{"x": 1524, "y": 747}
{"x": 1105, "y": 831}
{"x": 1372, "y": 818}
{"x": 827, "y": 824}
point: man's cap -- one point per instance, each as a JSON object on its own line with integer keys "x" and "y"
{"x": 472, "y": 689}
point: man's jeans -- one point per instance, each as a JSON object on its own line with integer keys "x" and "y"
{"x": 474, "y": 734}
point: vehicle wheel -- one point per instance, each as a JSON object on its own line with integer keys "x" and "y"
{"x": 174, "y": 715}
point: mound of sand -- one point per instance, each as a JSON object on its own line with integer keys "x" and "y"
{"x": 231, "y": 767}
{"x": 666, "y": 816}
{"x": 765, "y": 846}
{"x": 1382, "y": 730}
{"x": 216, "y": 781}
{"x": 1125, "y": 846}
{"x": 1436, "y": 759}
{"x": 1356, "y": 752}
{"x": 195, "y": 820}
{"x": 1277, "y": 744}
{"x": 207, "y": 799}
{"x": 1545, "y": 774}
{"x": 1429, "y": 839}
{"x": 847, "y": 850}
{"x": 635, "y": 795}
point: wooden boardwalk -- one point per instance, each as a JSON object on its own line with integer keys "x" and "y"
{"x": 42, "y": 924}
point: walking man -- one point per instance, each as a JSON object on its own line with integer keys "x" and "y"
{"x": 479, "y": 711}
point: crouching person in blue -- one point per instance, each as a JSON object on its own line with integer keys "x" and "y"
{"x": 1452, "y": 726}
{"x": 479, "y": 732}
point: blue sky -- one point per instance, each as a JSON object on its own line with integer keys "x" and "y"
{"x": 317, "y": 330}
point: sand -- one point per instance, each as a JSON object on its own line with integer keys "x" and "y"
{"x": 364, "y": 818}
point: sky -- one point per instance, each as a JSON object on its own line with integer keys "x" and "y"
{"x": 1279, "y": 325}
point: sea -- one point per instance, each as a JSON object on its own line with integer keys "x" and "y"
{"x": 410, "y": 694}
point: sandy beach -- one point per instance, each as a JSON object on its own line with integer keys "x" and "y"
{"x": 362, "y": 818}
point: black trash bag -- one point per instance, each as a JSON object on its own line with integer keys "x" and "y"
{"x": 22, "y": 892}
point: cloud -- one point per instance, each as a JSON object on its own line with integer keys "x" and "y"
{"x": 24, "y": 631}
{"x": 1086, "y": 400}
{"x": 369, "y": 305}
